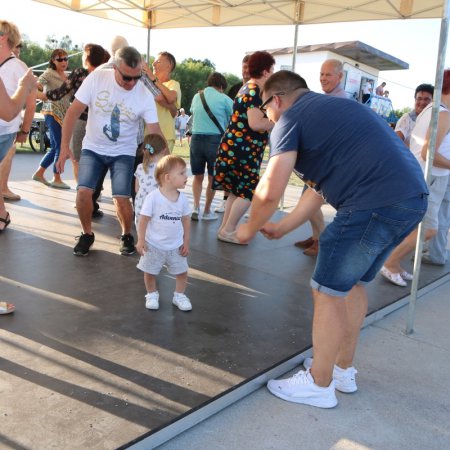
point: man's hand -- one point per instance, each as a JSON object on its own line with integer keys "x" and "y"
{"x": 271, "y": 230}
{"x": 148, "y": 71}
{"x": 64, "y": 155}
{"x": 21, "y": 137}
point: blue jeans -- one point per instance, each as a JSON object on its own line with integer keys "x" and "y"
{"x": 354, "y": 247}
{"x": 6, "y": 141}
{"x": 93, "y": 167}
{"x": 52, "y": 155}
{"x": 203, "y": 151}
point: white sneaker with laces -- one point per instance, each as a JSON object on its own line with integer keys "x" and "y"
{"x": 152, "y": 300}
{"x": 181, "y": 302}
{"x": 344, "y": 379}
{"x": 210, "y": 216}
{"x": 220, "y": 208}
{"x": 300, "y": 388}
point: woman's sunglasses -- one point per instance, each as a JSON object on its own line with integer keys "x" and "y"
{"x": 62, "y": 59}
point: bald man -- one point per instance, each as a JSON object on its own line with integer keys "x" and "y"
{"x": 331, "y": 74}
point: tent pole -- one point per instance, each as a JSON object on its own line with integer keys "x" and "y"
{"x": 298, "y": 5}
{"x": 148, "y": 45}
{"x": 429, "y": 162}
{"x": 294, "y": 48}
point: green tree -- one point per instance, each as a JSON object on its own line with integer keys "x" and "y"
{"x": 399, "y": 112}
{"x": 192, "y": 75}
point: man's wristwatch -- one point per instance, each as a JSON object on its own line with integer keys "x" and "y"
{"x": 22, "y": 131}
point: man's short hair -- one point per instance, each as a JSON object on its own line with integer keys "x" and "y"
{"x": 337, "y": 65}
{"x": 284, "y": 81}
{"x": 424, "y": 88}
{"x": 171, "y": 58}
{"x": 129, "y": 55}
{"x": 217, "y": 80}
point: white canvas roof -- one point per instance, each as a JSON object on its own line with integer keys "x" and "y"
{"x": 159, "y": 14}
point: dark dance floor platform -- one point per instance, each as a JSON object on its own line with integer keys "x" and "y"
{"x": 85, "y": 365}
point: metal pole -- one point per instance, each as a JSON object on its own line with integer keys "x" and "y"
{"x": 429, "y": 162}
{"x": 298, "y": 7}
{"x": 148, "y": 45}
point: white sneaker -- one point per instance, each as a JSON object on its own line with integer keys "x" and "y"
{"x": 195, "y": 213}
{"x": 210, "y": 216}
{"x": 220, "y": 208}
{"x": 181, "y": 302}
{"x": 152, "y": 300}
{"x": 344, "y": 379}
{"x": 300, "y": 388}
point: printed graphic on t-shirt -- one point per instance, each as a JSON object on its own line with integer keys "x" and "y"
{"x": 114, "y": 127}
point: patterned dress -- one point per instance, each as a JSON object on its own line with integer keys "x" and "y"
{"x": 241, "y": 149}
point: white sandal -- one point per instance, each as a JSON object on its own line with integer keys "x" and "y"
{"x": 407, "y": 276}
{"x": 394, "y": 278}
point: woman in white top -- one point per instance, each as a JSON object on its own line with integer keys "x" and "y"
{"x": 437, "y": 186}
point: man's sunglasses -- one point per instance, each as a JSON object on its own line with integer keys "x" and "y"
{"x": 62, "y": 59}
{"x": 128, "y": 78}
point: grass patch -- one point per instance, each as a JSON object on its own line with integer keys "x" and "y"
{"x": 183, "y": 151}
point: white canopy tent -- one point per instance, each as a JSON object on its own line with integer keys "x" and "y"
{"x": 164, "y": 14}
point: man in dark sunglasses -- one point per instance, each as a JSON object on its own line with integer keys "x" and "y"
{"x": 346, "y": 154}
{"x": 117, "y": 103}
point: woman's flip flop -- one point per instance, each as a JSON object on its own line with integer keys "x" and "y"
{"x": 6, "y": 221}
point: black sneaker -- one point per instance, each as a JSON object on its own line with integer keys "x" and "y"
{"x": 85, "y": 242}
{"x": 127, "y": 244}
{"x": 97, "y": 214}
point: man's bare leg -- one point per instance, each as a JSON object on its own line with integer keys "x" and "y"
{"x": 85, "y": 209}
{"x": 328, "y": 331}
{"x": 124, "y": 211}
{"x": 356, "y": 310}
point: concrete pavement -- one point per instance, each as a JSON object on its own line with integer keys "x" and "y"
{"x": 403, "y": 400}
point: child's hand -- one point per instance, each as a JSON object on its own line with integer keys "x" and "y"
{"x": 184, "y": 250}
{"x": 141, "y": 247}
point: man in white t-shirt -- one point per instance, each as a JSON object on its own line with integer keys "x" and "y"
{"x": 117, "y": 102}
{"x": 423, "y": 96}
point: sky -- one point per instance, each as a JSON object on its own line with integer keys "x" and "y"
{"x": 413, "y": 41}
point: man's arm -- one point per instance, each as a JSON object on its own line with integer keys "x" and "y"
{"x": 268, "y": 193}
{"x": 309, "y": 203}
{"x": 72, "y": 115}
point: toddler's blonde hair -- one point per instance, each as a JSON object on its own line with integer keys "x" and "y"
{"x": 166, "y": 165}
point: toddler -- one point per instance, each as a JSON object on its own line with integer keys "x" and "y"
{"x": 154, "y": 148}
{"x": 163, "y": 232}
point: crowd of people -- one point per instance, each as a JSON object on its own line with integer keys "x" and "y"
{"x": 119, "y": 114}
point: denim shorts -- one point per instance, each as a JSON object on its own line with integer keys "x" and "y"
{"x": 93, "y": 166}
{"x": 6, "y": 141}
{"x": 154, "y": 259}
{"x": 203, "y": 153}
{"x": 354, "y": 247}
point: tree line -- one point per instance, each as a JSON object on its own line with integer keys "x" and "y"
{"x": 192, "y": 74}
